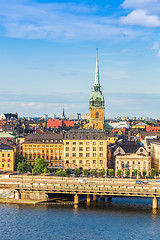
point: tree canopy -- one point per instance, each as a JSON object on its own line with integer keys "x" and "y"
{"x": 39, "y": 165}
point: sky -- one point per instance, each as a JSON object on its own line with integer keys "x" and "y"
{"x": 48, "y": 56}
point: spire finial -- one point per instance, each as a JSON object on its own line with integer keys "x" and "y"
{"x": 97, "y": 71}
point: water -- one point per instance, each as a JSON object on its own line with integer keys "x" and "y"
{"x": 122, "y": 219}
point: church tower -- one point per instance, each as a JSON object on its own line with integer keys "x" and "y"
{"x": 96, "y": 103}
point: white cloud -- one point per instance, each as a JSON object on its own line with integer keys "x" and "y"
{"x": 141, "y": 18}
{"x": 155, "y": 46}
{"x": 137, "y": 3}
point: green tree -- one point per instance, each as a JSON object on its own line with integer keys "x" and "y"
{"x": 39, "y": 165}
{"x": 94, "y": 172}
{"x": 61, "y": 173}
{"x": 85, "y": 172}
{"x": 102, "y": 172}
{"x": 153, "y": 172}
{"x": 159, "y": 171}
{"x": 135, "y": 172}
{"x": 144, "y": 172}
{"x": 127, "y": 173}
{"x": 119, "y": 172}
{"x": 111, "y": 172}
{"x": 19, "y": 159}
{"x": 46, "y": 170}
{"x": 77, "y": 171}
{"x": 68, "y": 171}
{"x": 22, "y": 167}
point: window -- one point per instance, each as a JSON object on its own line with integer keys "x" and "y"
{"x": 80, "y": 154}
{"x": 67, "y": 154}
{"x": 87, "y": 148}
{"x": 73, "y": 149}
{"x": 94, "y": 154}
{"x": 34, "y": 157}
{"x": 42, "y": 151}
{"x": 94, "y": 161}
{"x": 73, "y": 154}
{"x": 30, "y": 157}
{"x": 60, "y": 164}
{"x": 101, "y": 143}
{"x": 94, "y": 143}
{"x": 67, "y": 143}
{"x": 60, "y": 151}
{"x": 133, "y": 162}
{"x": 80, "y": 149}
{"x": 56, "y": 157}
{"x": 74, "y": 161}
{"x": 87, "y": 161}
{"x": 87, "y": 154}
{"x": 67, "y": 161}
{"x": 51, "y": 157}
{"x": 80, "y": 143}
{"x": 51, "y": 164}
{"x": 8, "y": 154}
{"x": 101, "y": 161}
{"x": 47, "y": 157}
{"x": 80, "y": 161}
{"x": 67, "y": 148}
{"x": 38, "y": 151}
{"x": 141, "y": 150}
{"x": 94, "y": 148}
{"x": 60, "y": 157}
{"x": 2, "y": 165}
{"x": 34, "y": 151}
{"x": 87, "y": 143}
{"x": 55, "y": 164}
{"x": 139, "y": 163}
{"x": 29, "y": 151}
{"x": 97, "y": 115}
{"x": 101, "y": 149}
{"x": 3, "y": 155}
{"x": 74, "y": 143}
{"x": 101, "y": 154}
{"x": 47, "y": 151}
{"x": 55, "y": 151}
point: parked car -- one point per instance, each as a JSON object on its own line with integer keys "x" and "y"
{"x": 140, "y": 182}
{"x": 82, "y": 181}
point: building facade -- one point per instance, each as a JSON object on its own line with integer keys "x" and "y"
{"x": 47, "y": 146}
{"x": 155, "y": 155}
{"x": 85, "y": 149}
{"x": 96, "y": 103}
{"x": 7, "y": 158}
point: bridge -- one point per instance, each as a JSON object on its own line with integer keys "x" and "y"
{"x": 89, "y": 189}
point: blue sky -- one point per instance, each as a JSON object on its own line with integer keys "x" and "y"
{"x": 48, "y": 52}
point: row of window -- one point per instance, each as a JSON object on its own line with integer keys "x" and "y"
{"x": 87, "y": 143}
{"x": 51, "y": 164}
{"x": 5, "y": 165}
{"x": 133, "y": 162}
{"x": 46, "y": 157}
{"x": 87, "y": 161}
{"x": 40, "y": 146}
{"x": 82, "y": 155}
{"x": 4, "y": 154}
{"x": 87, "y": 149}
{"x": 43, "y": 151}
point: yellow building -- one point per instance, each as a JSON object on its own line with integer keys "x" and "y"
{"x": 7, "y": 157}
{"x": 140, "y": 125}
{"x": 85, "y": 149}
{"x": 47, "y": 146}
{"x": 155, "y": 155}
{"x": 96, "y": 103}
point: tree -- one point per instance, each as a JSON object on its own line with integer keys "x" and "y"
{"x": 94, "y": 172}
{"x": 46, "y": 170}
{"x": 39, "y": 165}
{"x": 61, "y": 173}
{"x": 159, "y": 171}
{"x": 111, "y": 172}
{"x": 102, "y": 172}
{"x": 22, "y": 167}
{"x": 19, "y": 159}
{"x": 85, "y": 172}
{"x": 68, "y": 171}
{"x": 77, "y": 171}
{"x": 127, "y": 173}
{"x": 153, "y": 172}
{"x": 135, "y": 172}
{"x": 119, "y": 172}
{"x": 144, "y": 172}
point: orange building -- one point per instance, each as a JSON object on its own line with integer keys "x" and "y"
{"x": 96, "y": 103}
{"x": 7, "y": 157}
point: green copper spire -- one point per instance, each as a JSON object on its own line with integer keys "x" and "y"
{"x": 96, "y": 98}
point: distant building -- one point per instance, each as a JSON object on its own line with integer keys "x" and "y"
{"x": 9, "y": 116}
{"x": 51, "y": 123}
{"x": 120, "y": 125}
{"x": 78, "y": 116}
{"x": 44, "y": 116}
{"x": 155, "y": 155}
{"x": 53, "y": 116}
{"x": 85, "y": 116}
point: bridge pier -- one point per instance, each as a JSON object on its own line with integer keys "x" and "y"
{"x": 76, "y": 199}
{"x": 155, "y": 203}
{"x": 109, "y": 198}
{"x": 94, "y": 198}
{"x": 88, "y": 199}
{"x": 17, "y": 195}
{"x": 102, "y": 197}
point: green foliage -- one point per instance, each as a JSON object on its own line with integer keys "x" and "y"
{"x": 119, "y": 172}
{"x": 159, "y": 171}
{"x": 85, "y": 172}
{"x": 144, "y": 172}
{"x": 61, "y": 173}
{"x": 111, "y": 172}
{"x": 94, "y": 172}
{"x": 153, "y": 172}
{"x": 102, "y": 172}
{"x": 22, "y": 167}
{"x": 19, "y": 159}
{"x": 46, "y": 170}
{"x": 135, "y": 172}
{"x": 68, "y": 171}
{"x": 127, "y": 173}
{"x": 39, "y": 165}
{"x": 77, "y": 171}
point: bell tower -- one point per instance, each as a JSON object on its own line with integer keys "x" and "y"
{"x": 96, "y": 103}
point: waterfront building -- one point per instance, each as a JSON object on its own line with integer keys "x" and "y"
{"x": 85, "y": 149}
{"x": 47, "y": 146}
{"x": 155, "y": 154}
{"x": 131, "y": 156}
{"x": 96, "y": 103}
{"x": 7, "y": 158}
